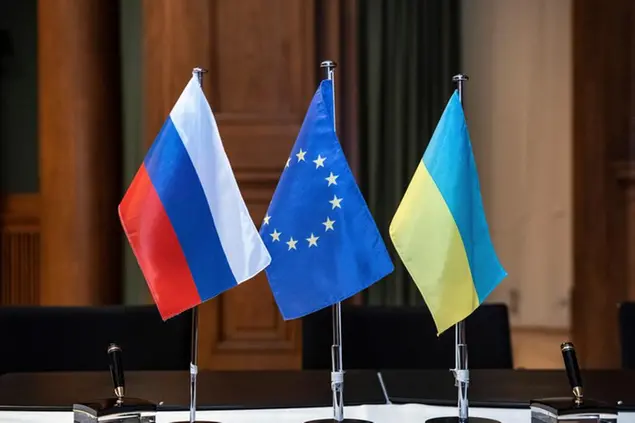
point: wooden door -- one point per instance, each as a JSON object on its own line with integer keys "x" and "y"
{"x": 262, "y": 57}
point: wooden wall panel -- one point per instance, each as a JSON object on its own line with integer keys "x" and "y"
{"x": 604, "y": 77}
{"x": 261, "y": 56}
{"x": 62, "y": 246}
{"x": 19, "y": 249}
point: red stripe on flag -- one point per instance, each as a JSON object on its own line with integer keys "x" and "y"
{"x": 157, "y": 248}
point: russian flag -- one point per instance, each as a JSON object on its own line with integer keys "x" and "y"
{"x": 183, "y": 214}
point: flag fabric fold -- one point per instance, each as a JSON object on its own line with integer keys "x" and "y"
{"x": 439, "y": 230}
{"x": 324, "y": 243}
{"x": 183, "y": 213}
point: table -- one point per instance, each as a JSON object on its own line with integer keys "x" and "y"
{"x": 508, "y": 388}
{"x": 298, "y": 396}
{"x": 216, "y": 390}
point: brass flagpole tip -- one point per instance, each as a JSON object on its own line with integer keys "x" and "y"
{"x": 199, "y": 70}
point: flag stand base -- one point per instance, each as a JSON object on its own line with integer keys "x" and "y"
{"x": 331, "y": 420}
{"x": 457, "y": 420}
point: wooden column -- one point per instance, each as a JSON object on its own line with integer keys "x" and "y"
{"x": 80, "y": 137}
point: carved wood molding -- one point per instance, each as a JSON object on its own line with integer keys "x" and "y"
{"x": 624, "y": 171}
{"x": 19, "y": 249}
{"x": 20, "y": 210}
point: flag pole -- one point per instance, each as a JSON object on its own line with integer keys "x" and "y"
{"x": 194, "y": 346}
{"x": 461, "y": 370}
{"x": 193, "y": 364}
{"x": 337, "y": 367}
{"x": 194, "y": 352}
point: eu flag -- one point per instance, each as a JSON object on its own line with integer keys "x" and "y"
{"x": 324, "y": 244}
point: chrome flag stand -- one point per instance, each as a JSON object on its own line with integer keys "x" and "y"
{"x": 337, "y": 368}
{"x": 461, "y": 372}
{"x": 194, "y": 347}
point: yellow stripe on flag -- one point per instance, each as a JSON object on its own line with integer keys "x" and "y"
{"x": 428, "y": 241}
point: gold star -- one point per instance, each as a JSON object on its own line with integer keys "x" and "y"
{"x": 288, "y": 160}
{"x": 336, "y": 202}
{"x": 313, "y": 240}
{"x": 291, "y": 243}
{"x": 319, "y": 162}
{"x": 266, "y": 219}
{"x": 332, "y": 179}
{"x": 275, "y": 235}
{"x": 301, "y": 155}
{"x": 328, "y": 224}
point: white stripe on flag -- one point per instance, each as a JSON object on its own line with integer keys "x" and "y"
{"x": 195, "y": 123}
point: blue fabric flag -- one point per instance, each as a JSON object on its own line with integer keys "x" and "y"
{"x": 324, "y": 244}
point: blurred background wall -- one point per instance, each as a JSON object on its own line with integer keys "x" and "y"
{"x": 85, "y": 86}
{"x": 519, "y": 103}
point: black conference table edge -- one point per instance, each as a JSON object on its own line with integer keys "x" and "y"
{"x": 217, "y": 390}
{"x": 428, "y": 387}
{"x": 168, "y": 407}
{"x": 163, "y": 408}
{"x": 507, "y": 388}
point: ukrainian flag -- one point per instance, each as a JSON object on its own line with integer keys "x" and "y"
{"x": 439, "y": 229}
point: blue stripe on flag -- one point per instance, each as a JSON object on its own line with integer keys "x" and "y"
{"x": 177, "y": 184}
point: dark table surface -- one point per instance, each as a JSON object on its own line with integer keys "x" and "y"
{"x": 508, "y": 388}
{"x": 293, "y": 389}
{"x": 215, "y": 390}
